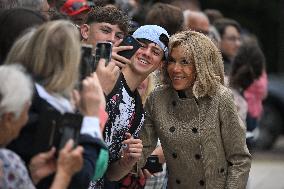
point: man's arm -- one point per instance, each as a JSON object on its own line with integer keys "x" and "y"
{"x": 129, "y": 157}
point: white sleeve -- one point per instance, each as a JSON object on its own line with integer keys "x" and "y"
{"x": 91, "y": 126}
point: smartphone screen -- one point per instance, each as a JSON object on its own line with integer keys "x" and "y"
{"x": 103, "y": 50}
{"x": 129, "y": 41}
{"x": 87, "y": 65}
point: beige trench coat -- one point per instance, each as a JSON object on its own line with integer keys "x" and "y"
{"x": 203, "y": 139}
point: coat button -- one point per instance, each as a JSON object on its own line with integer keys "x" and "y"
{"x": 178, "y": 181}
{"x": 174, "y": 155}
{"x": 172, "y": 129}
{"x": 222, "y": 170}
{"x": 201, "y": 182}
{"x": 194, "y": 130}
{"x": 174, "y": 103}
{"x": 197, "y": 156}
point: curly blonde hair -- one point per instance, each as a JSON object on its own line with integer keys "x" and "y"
{"x": 207, "y": 60}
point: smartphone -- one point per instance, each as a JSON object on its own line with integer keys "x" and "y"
{"x": 103, "y": 50}
{"x": 129, "y": 41}
{"x": 87, "y": 65}
{"x": 153, "y": 165}
{"x": 56, "y": 129}
{"x": 68, "y": 128}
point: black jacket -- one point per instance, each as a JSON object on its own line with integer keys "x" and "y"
{"x": 24, "y": 147}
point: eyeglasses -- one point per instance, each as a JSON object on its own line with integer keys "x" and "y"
{"x": 232, "y": 39}
{"x": 182, "y": 63}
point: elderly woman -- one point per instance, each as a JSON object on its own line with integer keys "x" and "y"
{"x": 16, "y": 92}
{"x": 196, "y": 120}
{"x": 51, "y": 54}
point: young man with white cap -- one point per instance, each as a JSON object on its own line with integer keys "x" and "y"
{"x": 124, "y": 106}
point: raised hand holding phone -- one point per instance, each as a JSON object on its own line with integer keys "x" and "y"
{"x": 131, "y": 152}
{"x": 90, "y": 98}
{"x": 129, "y": 41}
{"x": 107, "y": 75}
{"x": 120, "y": 61}
{"x": 89, "y": 61}
{"x": 124, "y": 50}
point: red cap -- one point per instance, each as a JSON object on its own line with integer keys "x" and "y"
{"x": 74, "y": 7}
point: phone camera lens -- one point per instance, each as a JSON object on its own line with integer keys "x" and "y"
{"x": 129, "y": 40}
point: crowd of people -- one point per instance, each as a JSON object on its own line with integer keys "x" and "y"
{"x": 191, "y": 95}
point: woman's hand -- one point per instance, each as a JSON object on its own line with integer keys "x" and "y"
{"x": 159, "y": 152}
{"x": 70, "y": 160}
{"x": 107, "y": 74}
{"x": 42, "y": 165}
{"x": 91, "y": 98}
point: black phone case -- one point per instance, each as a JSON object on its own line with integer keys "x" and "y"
{"x": 103, "y": 50}
{"x": 153, "y": 165}
{"x": 87, "y": 65}
{"x": 129, "y": 41}
{"x": 55, "y": 129}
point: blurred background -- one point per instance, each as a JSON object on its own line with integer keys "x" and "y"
{"x": 266, "y": 20}
{"x": 261, "y": 17}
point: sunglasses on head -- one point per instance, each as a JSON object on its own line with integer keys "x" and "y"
{"x": 78, "y": 5}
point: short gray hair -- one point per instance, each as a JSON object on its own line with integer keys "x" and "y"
{"x": 16, "y": 89}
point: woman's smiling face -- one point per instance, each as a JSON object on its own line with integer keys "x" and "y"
{"x": 181, "y": 71}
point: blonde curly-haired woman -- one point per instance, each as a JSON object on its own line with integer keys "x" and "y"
{"x": 196, "y": 120}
